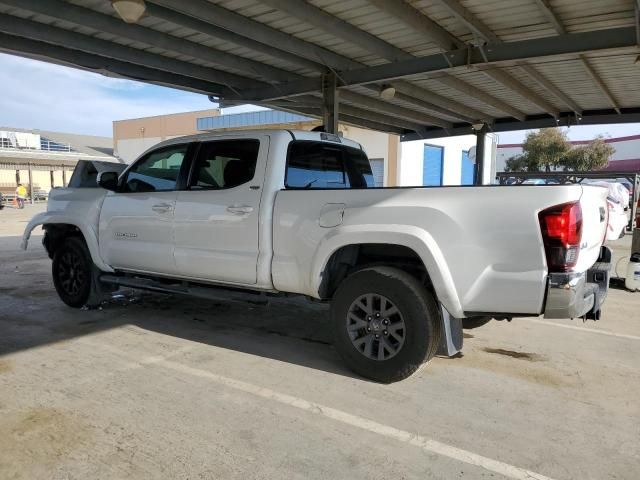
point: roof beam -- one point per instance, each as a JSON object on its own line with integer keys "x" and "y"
{"x": 545, "y": 83}
{"x": 554, "y": 20}
{"x": 457, "y": 10}
{"x": 77, "y": 41}
{"x": 464, "y": 112}
{"x": 329, "y": 23}
{"x": 230, "y": 36}
{"x": 560, "y": 30}
{"x": 566, "y": 118}
{"x": 508, "y": 81}
{"x": 217, "y": 15}
{"x": 418, "y": 22}
{"x": 480, "y": 29}
{"x": 376, "y": 105}
{"x": 103, "y": 65}
{"x": 351, "y": 120}
{"x": 108, "y": 24}
{"x": 600, "y": 84}
{"x": 536, "y": 48}
{"x": 464, "y": 87}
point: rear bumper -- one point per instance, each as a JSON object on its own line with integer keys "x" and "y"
{"x": 571, "y": 295}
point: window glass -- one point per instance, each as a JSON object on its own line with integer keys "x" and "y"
{"x": 322, "y": 165}
{"x": 225, "y": 164}
{"x": 158, "y": 171}
{"x": 359, "y": 169}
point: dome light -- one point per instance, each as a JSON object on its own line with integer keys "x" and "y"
{"x": 129, "y": 10}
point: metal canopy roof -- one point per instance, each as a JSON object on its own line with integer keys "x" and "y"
{"x": 513, "y": 64}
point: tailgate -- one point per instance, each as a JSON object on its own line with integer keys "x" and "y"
{"x": 594, "y": 225}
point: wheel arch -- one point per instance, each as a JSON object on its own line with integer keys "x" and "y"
{"x": 338, "y": 255}
{"x": 58, "y": 227}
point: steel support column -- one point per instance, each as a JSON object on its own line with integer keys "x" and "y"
{"x": 330, "y": 102}
{"x": 481, "y": 135}
{"x": 30, "y": 183}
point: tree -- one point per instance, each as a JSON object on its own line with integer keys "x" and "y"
{"x": 593, "y": 156}
{"x": 549, "y": 149}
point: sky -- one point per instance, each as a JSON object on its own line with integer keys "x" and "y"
{"x": 40, "y": 95}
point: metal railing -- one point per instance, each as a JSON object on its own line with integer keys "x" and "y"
{"x": 45, "y": 146}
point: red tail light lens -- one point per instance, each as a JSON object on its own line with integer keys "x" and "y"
{"x": 561, "y": 227}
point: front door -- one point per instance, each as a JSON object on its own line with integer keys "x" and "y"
{"x": 136, "y": 223}
{"x": 217, "y": 217}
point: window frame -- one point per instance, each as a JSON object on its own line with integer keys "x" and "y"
{"x": 347, "y": 168}
{"x": 180, "y": 179}
{"x": 196, "y": 154}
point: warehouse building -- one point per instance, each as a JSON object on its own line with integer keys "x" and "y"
{"x": 43, "y": 160}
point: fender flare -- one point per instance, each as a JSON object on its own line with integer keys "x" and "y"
{"x": 414, "y": 238}
{"x": 89, "y": 234}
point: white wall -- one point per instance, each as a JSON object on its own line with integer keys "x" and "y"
{"x": 412, "y": 156}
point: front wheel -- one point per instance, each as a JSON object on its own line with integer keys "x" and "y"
{"x": 72, "y": 272}
{"x": 385, "y": 322}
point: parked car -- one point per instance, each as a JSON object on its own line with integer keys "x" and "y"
{"x": 617, "y": 200}
{"x": 275, "y": 212}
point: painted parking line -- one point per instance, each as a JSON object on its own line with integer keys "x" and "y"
{"x": 581, "y": 329}
{"x": 424, "y": 443}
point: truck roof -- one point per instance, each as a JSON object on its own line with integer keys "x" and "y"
{"x": 290, "y": 134}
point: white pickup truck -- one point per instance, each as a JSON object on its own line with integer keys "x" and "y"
{"x": 291, "y": 212}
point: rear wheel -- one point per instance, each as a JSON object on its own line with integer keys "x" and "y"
{"x": 386, "y": 324}
{"x": 72, "y": 272}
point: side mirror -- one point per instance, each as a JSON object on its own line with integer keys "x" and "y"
{"x": 108, "y": 180}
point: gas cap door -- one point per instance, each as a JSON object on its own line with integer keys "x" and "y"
{"x": 331, "y": 215}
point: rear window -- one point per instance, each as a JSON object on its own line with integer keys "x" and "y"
{"x": 315, "y": 165}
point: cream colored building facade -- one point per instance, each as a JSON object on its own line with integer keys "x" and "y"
{"x": 134, "y": 136}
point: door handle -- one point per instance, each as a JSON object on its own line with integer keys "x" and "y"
{"x": 162, "y": 207}
{"x": 239, "y": 209}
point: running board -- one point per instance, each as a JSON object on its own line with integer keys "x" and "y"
{"x": 186, "y": 288}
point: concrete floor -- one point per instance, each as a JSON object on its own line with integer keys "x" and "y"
{"x": 156, "y": 386}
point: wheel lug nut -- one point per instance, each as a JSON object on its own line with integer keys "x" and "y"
{"x": 377, "y": 314}
{"x": 368, "y": 329}
{"x": 385, "y": 322}
{"x": 369, "y": 318}
{"x": 385, "y": 332}
{"x": 377, "y": 336}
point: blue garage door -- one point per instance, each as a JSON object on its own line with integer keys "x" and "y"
{"x": 432, "y": 165}
{"x": 468, "y": 170}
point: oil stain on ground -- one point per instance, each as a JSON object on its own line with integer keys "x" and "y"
{"x": 531, "y": 357}
{"x": 37, "y": 440}
{"x": 6, "y": 366}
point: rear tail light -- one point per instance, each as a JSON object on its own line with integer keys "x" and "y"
{"x": 561, "y": 228}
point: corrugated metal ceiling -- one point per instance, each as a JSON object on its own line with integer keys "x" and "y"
{"x": 508, "y": 20}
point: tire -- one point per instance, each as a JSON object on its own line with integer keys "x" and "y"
{"x": 475, "y": 322}
{"x": 72, "y": 271}
{"x": 417, "y": 322}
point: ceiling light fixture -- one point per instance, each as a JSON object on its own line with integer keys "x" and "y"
{"x": 387, "y": 92}
{"x": 129, "y": 10}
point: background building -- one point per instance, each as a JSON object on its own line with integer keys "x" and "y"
{"x": 132, "y": 137}
{"x": 42, "y": 160}
{"x": 626, "y": 157}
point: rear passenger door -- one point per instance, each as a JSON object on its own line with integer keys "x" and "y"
{"x": 217, "y": 217}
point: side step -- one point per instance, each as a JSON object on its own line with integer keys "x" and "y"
{"x": 188, "y": 288}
